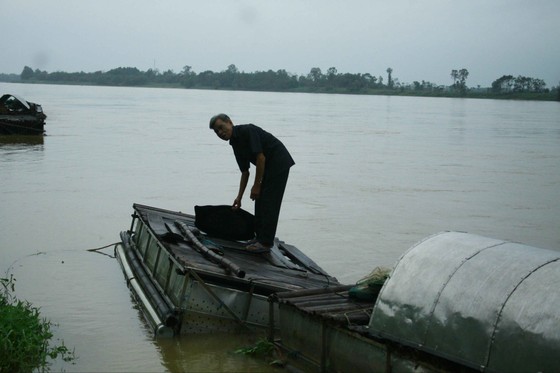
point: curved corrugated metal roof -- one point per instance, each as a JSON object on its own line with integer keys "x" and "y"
{"x": 489, "y": 304}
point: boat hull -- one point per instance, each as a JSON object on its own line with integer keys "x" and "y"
{"x": 24, "y": 126}
{"x": 20, "y": 117}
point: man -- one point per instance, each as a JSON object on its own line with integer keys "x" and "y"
{"x": 251, "y": 144}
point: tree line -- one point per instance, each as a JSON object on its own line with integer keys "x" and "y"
{"x": 507, "y": 83}
{"x": 282, "y": 81}
{"x": 230, "y": 78}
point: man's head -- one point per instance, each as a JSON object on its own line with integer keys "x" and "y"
{"x": 222, "y": 126}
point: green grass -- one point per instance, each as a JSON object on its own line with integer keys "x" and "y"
{"x": 25, "y": 337}
{"x": 265, "y": 350}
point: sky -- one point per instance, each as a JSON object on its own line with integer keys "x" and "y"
{"x": 418, "y": 39}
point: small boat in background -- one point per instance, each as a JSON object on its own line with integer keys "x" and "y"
{"x": 20, "y": 117}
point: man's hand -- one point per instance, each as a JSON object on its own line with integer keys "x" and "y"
{"x": 256, "y": 191}
{"x": 236, "y": 204}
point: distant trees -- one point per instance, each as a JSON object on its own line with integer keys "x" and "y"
{"x": 186, "y": 77}
{"x": 27, "y": 73}
{"x": 507, "y": 83}
{"x": 282, "y": 81}
{"x": 10, "y": 78}
{"x": 122, "y": 76}
{"x": 503, "y": 84}
{"x": 315, "y": 76}
{"x": 127, "y": 76}
{"x": 230, "y": 78}
{"x": 423, "y": 86}
{"x": 390, "y": 82}
{"x": 460, "y": 80}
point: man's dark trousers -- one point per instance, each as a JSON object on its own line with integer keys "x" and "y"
{"x": 267, "y": 206}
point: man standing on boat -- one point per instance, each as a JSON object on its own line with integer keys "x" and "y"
{"x": 252, "y": 144}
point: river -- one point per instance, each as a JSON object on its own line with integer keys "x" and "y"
{"x": 373, "y": 176}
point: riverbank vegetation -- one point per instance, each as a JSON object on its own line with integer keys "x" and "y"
{"x": 25, "y": 337}
{"x": 505, "y": 87}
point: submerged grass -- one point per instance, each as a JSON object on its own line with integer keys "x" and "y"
{"x": 264, "y": 349}
{"x": 25, "y": 337}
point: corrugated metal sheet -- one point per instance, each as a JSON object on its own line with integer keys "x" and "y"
{"x": 489, "y": 304}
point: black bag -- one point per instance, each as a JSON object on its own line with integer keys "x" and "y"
{"x": 223, "y": 222}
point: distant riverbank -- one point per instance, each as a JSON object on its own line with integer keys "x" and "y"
{"x": 440, "y": 91}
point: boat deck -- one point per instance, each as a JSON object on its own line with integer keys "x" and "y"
{"x": 333, "y": 306}
{"x": 285, "y": 268}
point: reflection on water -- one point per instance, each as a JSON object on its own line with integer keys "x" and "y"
{"x": 373, "y": 176}
{"x": 21, "y": 151}
{"x": 21, "y": 140}
{"x": 198, "y": 353}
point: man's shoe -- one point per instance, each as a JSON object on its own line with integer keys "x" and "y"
{"x": 257, "y": 248}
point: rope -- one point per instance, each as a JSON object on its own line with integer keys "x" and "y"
{"x": 104, "y": 247}
{"x": 97, "y": 250}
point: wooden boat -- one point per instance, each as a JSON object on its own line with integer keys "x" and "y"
{"x": 189, "y": 282}
{"x": 20, "y": 117}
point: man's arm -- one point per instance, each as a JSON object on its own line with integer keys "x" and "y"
{"x": 242, "y": 185}
{"x": 256, "y": 189}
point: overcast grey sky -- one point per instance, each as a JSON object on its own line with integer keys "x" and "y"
{"x": 418, "y": 39}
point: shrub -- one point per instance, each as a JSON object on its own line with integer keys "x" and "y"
{"x": 25, "y": 337}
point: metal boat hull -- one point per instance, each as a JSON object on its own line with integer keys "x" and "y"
{"x": 188, "y": 292}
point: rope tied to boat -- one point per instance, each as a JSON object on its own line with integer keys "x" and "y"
{"x": 97, "y": 250}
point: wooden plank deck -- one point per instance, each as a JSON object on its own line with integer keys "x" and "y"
{"x": 332, "y": 305}
{"x": 285, "y": 268}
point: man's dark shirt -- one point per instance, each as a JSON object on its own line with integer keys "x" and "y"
{"x": 249, "y": 140}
